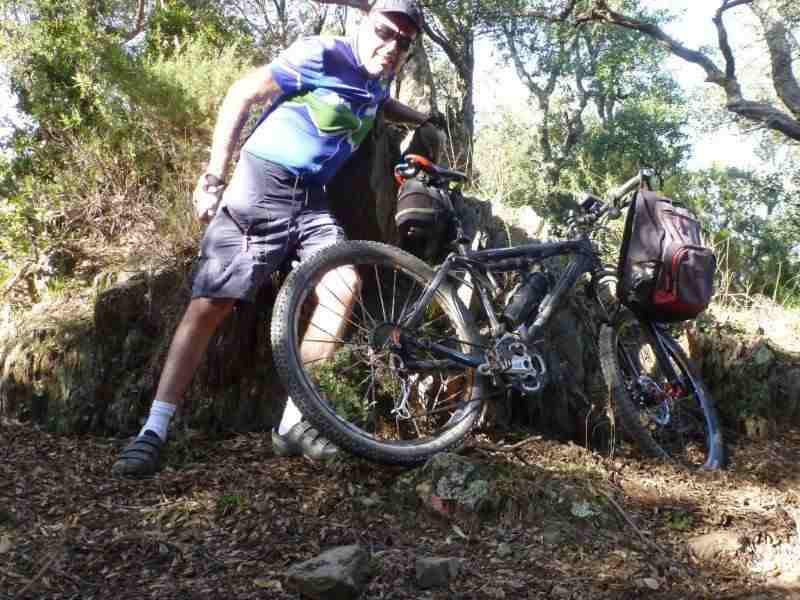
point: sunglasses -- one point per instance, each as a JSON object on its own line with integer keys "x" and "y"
{"x": 387, "y": 34}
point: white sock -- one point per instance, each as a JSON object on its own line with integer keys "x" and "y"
{"x": 158, "y": 420}
{"x": 291, "y": 416}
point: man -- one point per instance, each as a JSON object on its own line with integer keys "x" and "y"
{"x": 324, "y": 94}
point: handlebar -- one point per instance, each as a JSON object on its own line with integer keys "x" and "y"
{"x": 594, "y": 204}
{"x": 643, "y": 176}
{"x": 595, "y": 207}
{"x": 412, "y": 164}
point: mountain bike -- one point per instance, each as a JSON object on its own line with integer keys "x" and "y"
{"x": 409, "y": 373}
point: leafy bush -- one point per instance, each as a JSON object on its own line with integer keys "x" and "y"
{"x": 118, "y": 152}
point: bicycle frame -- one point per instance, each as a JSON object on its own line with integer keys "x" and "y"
{"x": 481, "y": 265}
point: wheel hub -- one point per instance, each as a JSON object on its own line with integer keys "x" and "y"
{"x": 385, "y": 334}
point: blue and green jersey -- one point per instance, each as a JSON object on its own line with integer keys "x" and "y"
{"x": 326, "y": 108}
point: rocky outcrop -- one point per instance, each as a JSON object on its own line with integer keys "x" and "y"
{"x": 754, "y": 378}
{"x": 92, "y": 363}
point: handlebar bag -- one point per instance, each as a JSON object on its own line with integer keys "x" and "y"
{"x": 665, "y": 271}
{"x": 424, "y": 219}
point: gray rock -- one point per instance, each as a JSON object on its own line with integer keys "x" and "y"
{"x": 504, "y": 550}
{"x": 436, "y": 572}
{"x": 552, "y": 536}
{"x": 456, "y": 479}
{"x": 712, "y": 545}
{"x": 337, "y": 574}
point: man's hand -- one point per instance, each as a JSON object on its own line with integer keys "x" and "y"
{"x": 207, "y": 195}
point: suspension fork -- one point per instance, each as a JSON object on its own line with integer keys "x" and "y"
{"x": 656, "y": 333}
{"x": 653, "y": 332}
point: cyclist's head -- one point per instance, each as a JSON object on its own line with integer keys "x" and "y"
{"x": 387, "y": 36}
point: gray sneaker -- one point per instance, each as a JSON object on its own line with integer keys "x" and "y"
{"x": 303, "y": 439}
{"x": 141, "y": 458}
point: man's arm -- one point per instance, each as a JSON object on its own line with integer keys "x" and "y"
{"x": 399, "y": 112}
{"x": 256, "y": 86}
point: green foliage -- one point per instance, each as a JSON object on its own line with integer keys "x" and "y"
{"x": 48, "y": 59}
{"x": 176, "y": 21}
{"x": 647, "y": 131}
{"x": 751, "y": 218}
{"x": 507, "y": 161}
{"x": 229, "y": 504}
{"x": 511, "y": 165}
{"x": 602, "y": 111}
{"x": 118, "y": 139}
{"x": 340, "y": 383}
{"x": 680, "y": 521}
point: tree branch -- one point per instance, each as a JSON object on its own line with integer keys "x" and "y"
{"x": 449, "y": 49}
{"x": 761, "y": 112}
{"x": 728, "y": 4}
{"x": 780, "y": 52}
{"x": 360, "y": 4}
{"x": 600, "y": 11}
{"x": 138, "y": 25}
{"x": 724, "y": 46}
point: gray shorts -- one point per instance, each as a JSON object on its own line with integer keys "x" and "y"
{"x": 268, "y": 217}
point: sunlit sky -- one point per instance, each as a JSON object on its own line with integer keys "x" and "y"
{"x": 498, "y": 88}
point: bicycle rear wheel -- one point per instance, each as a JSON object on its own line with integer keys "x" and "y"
{"x": 376, "y": 387}
{"x": 658, "y": 397}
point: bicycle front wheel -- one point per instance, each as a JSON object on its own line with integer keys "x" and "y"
{"x": 658, "y": 397}
{"x": 358, "y": 372}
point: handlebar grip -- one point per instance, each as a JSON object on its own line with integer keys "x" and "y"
{"x": 643, "y": 175}
{"x": 616, "y": 194}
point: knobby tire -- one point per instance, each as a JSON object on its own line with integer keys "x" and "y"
{"x": 349, "y": 395}
{"x": 684, "y": 425}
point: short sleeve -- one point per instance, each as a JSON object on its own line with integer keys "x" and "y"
{"x": 299, "y": 67}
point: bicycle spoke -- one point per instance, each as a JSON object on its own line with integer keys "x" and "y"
{"x": 360, "y": 303}
{"x": 384, "y": 386}
{"x": 347, "y": 320}
{"x": 379, "y": 288}
{"x": 360, "y": 359}
{"x": 336, "y": 342}
{"x": 316, "y": 361}
{"x": 332, "y": 338}
{"x": 408, "y": 296}
{"x": 373, "y": 385}
{"x": 336, "y": 296}
{"x": 394, "y": 293}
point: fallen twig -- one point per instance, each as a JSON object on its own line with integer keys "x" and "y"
{"x": 39, "y": 574}
{"x": 504, "y": 448}
{"x": 629, "y": 521}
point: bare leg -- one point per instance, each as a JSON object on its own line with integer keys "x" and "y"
{"x": 141, "y": 458}
{"x": 201, "y": 319}
{"x": 336, "y": 295}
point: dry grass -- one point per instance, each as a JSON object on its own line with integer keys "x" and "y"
{"x": 759, "y": 315}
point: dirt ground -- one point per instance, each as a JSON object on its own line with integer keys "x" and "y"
{"x": 225, "y": 519}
